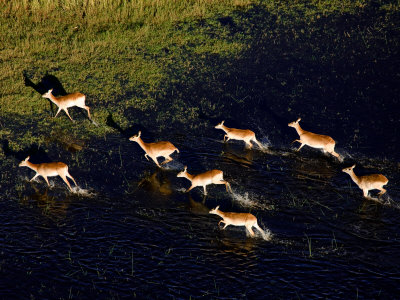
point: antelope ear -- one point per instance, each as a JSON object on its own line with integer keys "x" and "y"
{"x": 222, "y": 123}
{"x": 298, "y": 120}
{"x": 217, "y": 207}
{"x": 185, "y": 168}
{"x": 26, "y": 159}
{"x": 353, "y": 166}
{"x": 139, "y": 133}
{"x": 50, "y": 91}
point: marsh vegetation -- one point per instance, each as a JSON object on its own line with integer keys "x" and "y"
{"x": 174, "y": 70}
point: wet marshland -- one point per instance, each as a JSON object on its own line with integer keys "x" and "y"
{"x": 130, "y": 230}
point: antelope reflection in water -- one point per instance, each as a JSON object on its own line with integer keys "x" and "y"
{"x": 49, "y": 204}
{"x": 243, "y": 157}
{"x": 157, "y": 182}
{"x": 198, "y": 207}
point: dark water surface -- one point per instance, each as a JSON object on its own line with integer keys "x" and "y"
{"x": 129, "y": 230}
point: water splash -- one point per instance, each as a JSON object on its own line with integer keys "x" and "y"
{"x": 247, "y": 200}
{"x": 267, "y": 150}
{"x": 344, "y": 155}
{"x": 40, "y": 181}
{"x": 265, "y": 142}
{"x": 174, "y": 165}
{"x": 83, "y": 192}
{"x": 266, "y": 234}
{"x": 244, "y": 200}
{"x": 182, "y": 190}
{"x": 385, "y": 200}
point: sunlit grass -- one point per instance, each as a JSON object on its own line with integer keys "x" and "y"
{"x": 166, "y": 60}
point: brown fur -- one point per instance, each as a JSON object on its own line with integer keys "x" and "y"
{"x": 319, "y": 141}
{"x": 48, "y": 170}
{"x": 70, "y": 100}
{"x": 154, "y": 150}
{"x": 237, "y": 219}
{"x": 368, "y": 182}
{"x": 245, "y": 135}
{"x": 204, "y": 179}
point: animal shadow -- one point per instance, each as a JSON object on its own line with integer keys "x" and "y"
{"x": 34, "y": 151}
{"x": 46, "y": 83}
{"x": 127, "y": 132}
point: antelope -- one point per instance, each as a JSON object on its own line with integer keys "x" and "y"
{"x": 203, "y": 179}
{"x": 319, "y": 141}
{"x": 70, "y": 100}
{"x": 368, "y": 182}
{"x": 245, "y": 135}
{"x": 48, "y": 170}
{"x": 154, "y": 150}
{"x": 237, "y": 219}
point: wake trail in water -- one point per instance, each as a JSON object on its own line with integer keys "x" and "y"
{"x": 265, "y": 142}
{"x": 174, "y": 165}
{"x": 389, "y": 202}
{"x": 267, "y": 145}
{"x": 247, "y": 201}
{"x": 344, "y": 155}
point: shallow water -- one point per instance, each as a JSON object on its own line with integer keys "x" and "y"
{"x": 130, "y": 230}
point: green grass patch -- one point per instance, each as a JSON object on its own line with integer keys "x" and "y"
{"x": 164, "y": 64}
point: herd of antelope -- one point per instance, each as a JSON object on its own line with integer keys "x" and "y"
{"x": 165, "y": 149}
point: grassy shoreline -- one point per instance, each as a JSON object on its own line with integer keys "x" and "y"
{"x": 180, "y": 63}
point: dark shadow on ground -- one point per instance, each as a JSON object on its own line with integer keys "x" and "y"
{"x": 37, "y": 154}
{"x": 127, "y": 132}
{"x": 44, "y": 85}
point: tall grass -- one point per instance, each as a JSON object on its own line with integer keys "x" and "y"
{"x": 103, "y": 48}
{"x": 165, "y": 60}
{"x": 146, "y": 11}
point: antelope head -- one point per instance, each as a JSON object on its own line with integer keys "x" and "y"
{"x": 214, "y": 210}
{"x": 294, "y": 123}
{"x": 47, "y": 94}
{"x": 182, "y": 173}
{"x": 24, "y": 163}
{"x": 136, "y": 137}
{"x": 349, "y": 169}
{"x": 219, "y": 126}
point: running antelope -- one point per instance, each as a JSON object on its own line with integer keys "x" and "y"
{"x": 206, "y": 178}
{"x": 319, "y": 141}
{"x": 70, "y": 100}
{"x": 48, "y": 170}
{"x": 368, "y": 182}
{"x": 239, "y": 134}
{"x": 154, "y": 150}
{"x": 237, "y": 219}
